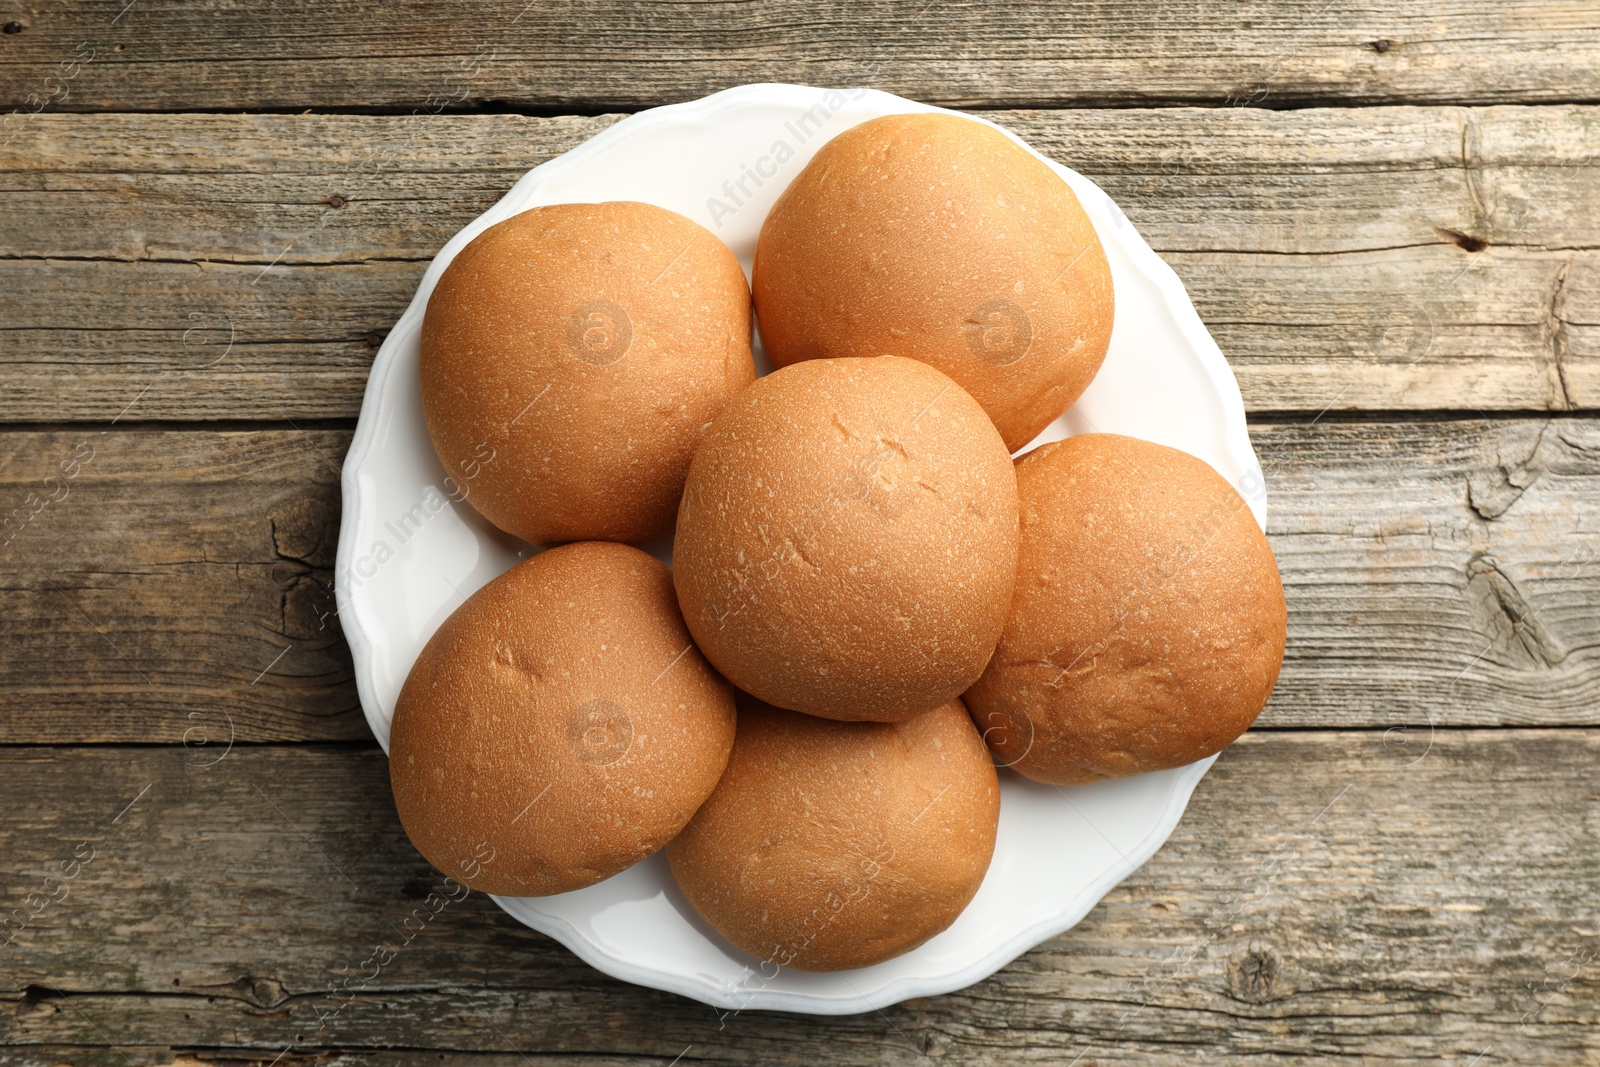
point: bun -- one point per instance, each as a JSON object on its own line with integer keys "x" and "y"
{"x": 830, "y": 845}
{"x": 1149, "y": 621}
{"x": 559, "y": 726}
{"x": 940, "y": 238}
{"x": 847, "y": 540}
{"x": 571, "y": 355}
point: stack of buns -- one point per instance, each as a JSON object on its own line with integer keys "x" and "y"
{"x": 871, "y": 604}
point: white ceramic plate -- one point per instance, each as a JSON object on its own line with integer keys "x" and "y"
{"x": 409, "y": 555}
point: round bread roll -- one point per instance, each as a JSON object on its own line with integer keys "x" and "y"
{"x": 939, "y": 238}
{"x": 571, "y": 356}
{"x": 559, "y": 726}
{"x": 1149, "y": 620}
{"x": 830, "y": 845}
{"x": 847, "y": 541}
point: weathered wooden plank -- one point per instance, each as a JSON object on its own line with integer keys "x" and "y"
{"x": 167, "y": 1056}
{"x": 1396, "y": 906}
{"x": 1438, "y": 572}
{"x": 172, "y": 587}
{"x": 1328, "y": 250}
{"x": 1416, "y": 590}
{"x": 166, "y": 54}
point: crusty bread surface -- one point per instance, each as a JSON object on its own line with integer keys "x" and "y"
{"x": 571, "y": 357}
{"x": 939, "y": 238}
{"x": 1149, "y": 620}
{"x": 830, "y": 845}
{"x": 559, "y": 726}
{"x": 846, "y": 545}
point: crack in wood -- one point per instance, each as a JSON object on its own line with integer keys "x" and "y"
{"x": 1554, "y": 330}
{"x": 1492, "y": 492}
{"x": 1512, "y": 622}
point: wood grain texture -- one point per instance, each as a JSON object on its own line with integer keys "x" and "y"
{"x": 172, "y": 55}
{"x": 172, "y": 588}
{"x": 1408, "y": 892}
{"x": 1438, "y": 572}
{"x": 1385, "y": 907}
{"x": 1372, "y": 258}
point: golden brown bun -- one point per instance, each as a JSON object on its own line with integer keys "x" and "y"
{"x": 939, "y": 238}
{"x": 559, "y": 726}
{"x": 830, "y": 845}
{"x": 1149, "y": 620}
{"x": 571, "y": 355}
{"x": 847, "y": 541}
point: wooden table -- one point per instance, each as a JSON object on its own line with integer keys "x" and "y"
{"x": 212, "y": 212}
